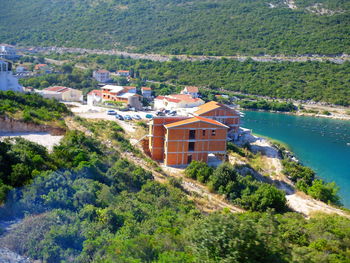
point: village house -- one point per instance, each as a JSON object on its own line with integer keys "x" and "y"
{"x": 42, "y": 68}
{"x": 190, "y": 90}
{"x": 125, "y": 94}
{"x": 94, "y": 97}
{"x": 101, "y": 75}
{"x": 176, "y": 101}
{"x": 62, "y": 94}
{"x": 146, "y": 92}
{"x": 177, "y": 141}
{"x": 21, "y": 69}
{"x": 8, "y": 52}
{"x": 221, "y": 113}
{"x": 123, "y": 73}
{"x": 7, "y": 80}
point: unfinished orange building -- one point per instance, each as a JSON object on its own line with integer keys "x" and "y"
{"x": 178, "y": 140}
{"x": 221, "y": 113}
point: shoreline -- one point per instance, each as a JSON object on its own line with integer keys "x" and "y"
{"x": 342, "y": 117}
{"x": 298, "y": 201}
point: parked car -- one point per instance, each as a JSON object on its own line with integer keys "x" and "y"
{"x": 136, "y": 117}
{"x": 119, "y": 117}
{"x": 111, "y": 112}
{"x": 159, "y": 113}
{"x": 127, "y": 117}
{"x": 166, "y": 111}
{"x": 149, "y": 116}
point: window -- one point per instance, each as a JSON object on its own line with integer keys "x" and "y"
{"x": 191, "y": 146}
{"x": 213, "y": 132}
{"x": 192, "y": 134}
{"x": 203, "y": 132}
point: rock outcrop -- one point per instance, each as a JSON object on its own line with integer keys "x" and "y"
{"x": 8, "y": 125}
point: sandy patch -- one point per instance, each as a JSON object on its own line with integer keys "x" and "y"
{"x": 42, "y": 138}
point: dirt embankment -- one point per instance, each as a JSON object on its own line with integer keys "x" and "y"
{"x": 8, "y": 125}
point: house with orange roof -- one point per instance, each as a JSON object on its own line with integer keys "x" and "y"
{"x": 146, "y": 92}
{"x": 125, "y": 94}
{"x": 176, "y": 101}
{"x": 221, "y": 113}
{"x": 190, "y": 90}
{"x": 177, "y": 141}
{"x": 123, "y": 73}
{"x": 61, "y": 93}
{"x": 42, "y": 68}
{"x": 101, "y": 75}
{"x": 94, "y": 97}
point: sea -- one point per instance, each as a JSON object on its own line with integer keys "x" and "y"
{"x": 322, "y": 144}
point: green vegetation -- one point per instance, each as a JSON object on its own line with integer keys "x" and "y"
{"x": 76, "y": 79}
{"x": 283, "y": 80}
{"x": 86, "y": 202}
{"x": 241, "y": 190}
{"x": 267, "y": 105}
{"x": 187, "y": 27}
{"x": 32, "y": 108}
{"x": 305, "y": 180}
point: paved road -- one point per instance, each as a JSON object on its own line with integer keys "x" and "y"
{"x": 159, "y": 57}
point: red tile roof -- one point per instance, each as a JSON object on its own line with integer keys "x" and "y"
{"x": 129, "y": 87}
{"x": 211, "y": 105}
{"x": 102, "y": 71}
{"x": 123, "y": 71}
{"x": 192, "y": 89}
{"x": 96, "y": 92}
{"x": 38, "y": 66}
{"x": 146, "y": 88}
{"x": 184, "y": 97}
{"x": 57, "y": 88}
{"x": 193, "y": 120}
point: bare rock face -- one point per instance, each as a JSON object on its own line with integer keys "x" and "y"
{"x": 8, "y": 125}
{"x": 7, "y": 256}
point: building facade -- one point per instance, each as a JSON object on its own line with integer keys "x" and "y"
{"x": 221, "y": 113}
{"x": 146, "y": 92}
{"x": 123, "y": 73}
{"x": 177, "y": 141}
{"x": 62, "y": 94}
{"x": 190, "y": 90}
{"x": 8, "y": 52}
{"x": 176, "y": 101}
{"x": 101, "y": 75}
{"x": 94, "y": 97}
{"x": 7, "y": 80}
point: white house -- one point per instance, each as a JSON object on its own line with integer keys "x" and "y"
{"x": 94, "y": 96}
{"x": 101, "y": 75}
{"x": 8, "y": 52}
{"x": 176, "y": 101}
{"x": 7, "y": 80}
{"x": 190, "y": 90}
{"x": 62, "y": 94}
{"x": 21, "y": 69}
{"x": 123, "y": 73}
{"x": 146, "y": 92}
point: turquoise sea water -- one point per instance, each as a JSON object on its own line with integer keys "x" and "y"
{"x": 319, "y": 143}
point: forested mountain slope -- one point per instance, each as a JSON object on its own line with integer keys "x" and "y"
{"x": 224, "y": 27}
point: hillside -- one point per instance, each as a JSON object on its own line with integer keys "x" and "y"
{"x": 223, "y": 27}
{"x": 97, "y": 198}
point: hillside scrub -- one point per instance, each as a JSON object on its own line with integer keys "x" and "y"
{"x": 31, "y": 107}
{"x": 241, "y": 190}
{"x": 187, "y": 27}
